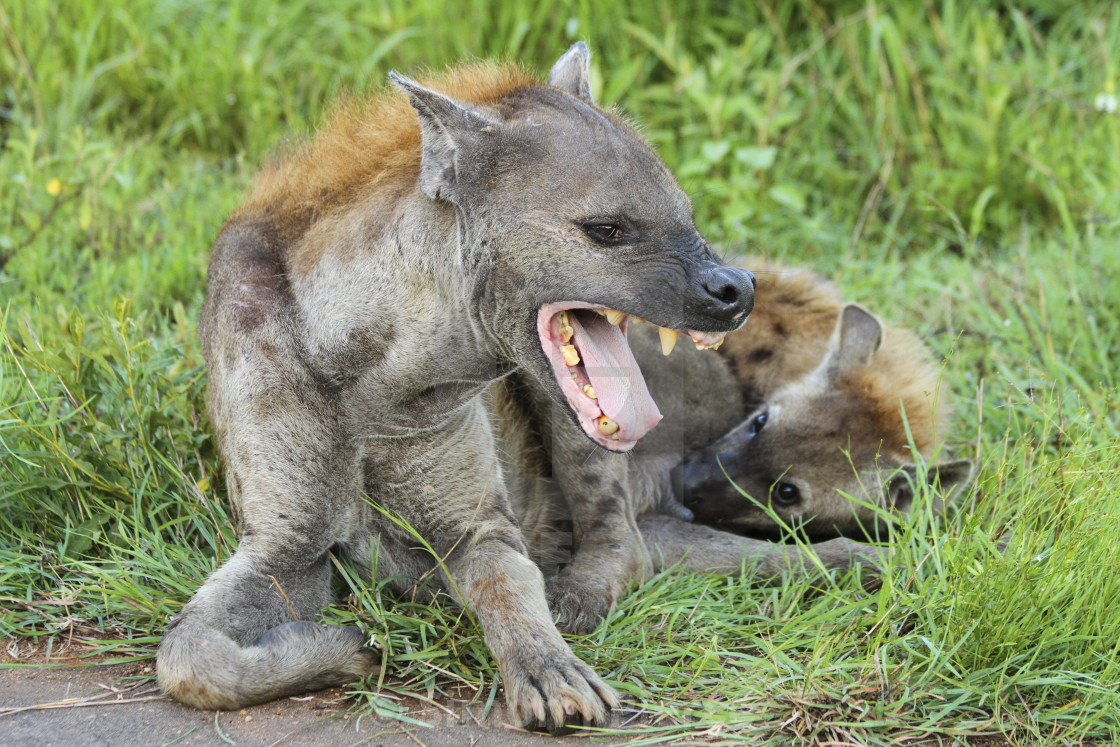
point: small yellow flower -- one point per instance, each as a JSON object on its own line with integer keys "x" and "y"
{"x": 54, "y": 187}
{"x": 203, "y": 485}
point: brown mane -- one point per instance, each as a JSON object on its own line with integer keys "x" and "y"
{"x": 364, "y": 143}
{"x": 902, "y": 375}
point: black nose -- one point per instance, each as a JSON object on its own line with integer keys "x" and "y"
{"x": 692, "y": 479}
{"x": 679, "y": 478}
{"x": 729, "y": 291}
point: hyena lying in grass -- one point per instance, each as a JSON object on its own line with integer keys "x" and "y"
{"x": 834, "y": 399}
{"x": 360, "y": 307}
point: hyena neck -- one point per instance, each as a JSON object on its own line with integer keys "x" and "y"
{"x": 388, "y": 286}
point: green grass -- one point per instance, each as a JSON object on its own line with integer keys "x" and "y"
{"x": 944, "y": 161}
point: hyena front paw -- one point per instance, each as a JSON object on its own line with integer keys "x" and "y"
{"x": 548, "y": 687}
{"x": 579, "y": 601}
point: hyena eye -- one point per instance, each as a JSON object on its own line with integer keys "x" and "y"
{"x": 787, "y": 494}
{"x": 604, "y": 231}
{"x": 757, "y": 423}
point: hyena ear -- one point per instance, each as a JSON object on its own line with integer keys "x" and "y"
{"x": 948, "y": 479}
{"x": 446, "y": 127}
{"x": 859, "y": 333}
{"x": 572, "y": 73}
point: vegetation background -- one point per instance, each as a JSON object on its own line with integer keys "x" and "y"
{"x": 955, "y": 166}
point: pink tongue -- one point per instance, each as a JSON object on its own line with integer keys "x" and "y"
{"x": 619, "y": 384}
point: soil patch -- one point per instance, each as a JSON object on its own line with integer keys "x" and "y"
{"x": 76, "y": 699}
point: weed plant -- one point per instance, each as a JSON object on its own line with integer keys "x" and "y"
{"x": 953, "y": 165}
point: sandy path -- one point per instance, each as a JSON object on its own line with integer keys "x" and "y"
{"x": 130, "y": 711}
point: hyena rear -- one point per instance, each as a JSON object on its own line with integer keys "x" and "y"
{"x": 360, "y": 305}
{"x": 837, "y": 402}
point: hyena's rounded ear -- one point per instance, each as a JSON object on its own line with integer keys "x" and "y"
{"x": 859, "y": 333}
{"x": 572, "y": 73}
{"x": 946, "y": 481}
{"x": 447, "y": 129}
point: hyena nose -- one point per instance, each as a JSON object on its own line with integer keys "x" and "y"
{"x": 687, "y": 480}
{"x": 729, "y": 292}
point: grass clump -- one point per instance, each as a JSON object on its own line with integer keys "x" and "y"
{"x": 951, "y": 165}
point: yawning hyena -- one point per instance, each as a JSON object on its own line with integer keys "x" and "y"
{"x": 360, "y": 305}
{"x": 837, "y": 404}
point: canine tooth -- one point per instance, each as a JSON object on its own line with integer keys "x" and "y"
{"x": 614, "y": 317}
{"x": 607, "y": 426}
{"x": 668, "y": 339}
{"x": 590, "y": 391}
{"x": 571, "y": 355}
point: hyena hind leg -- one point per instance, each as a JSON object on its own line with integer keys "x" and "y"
{"x": 246, "y": 638}
{"x": 671, "y": 541}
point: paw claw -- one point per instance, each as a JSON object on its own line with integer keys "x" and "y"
{"x": 552, "y": 689}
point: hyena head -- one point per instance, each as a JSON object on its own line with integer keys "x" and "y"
{"x": 821, "y": 451}
{"x": 568, "y": 225}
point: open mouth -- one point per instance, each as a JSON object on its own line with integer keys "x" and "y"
{"x": 586, "y": 346}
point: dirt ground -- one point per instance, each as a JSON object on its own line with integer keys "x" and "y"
{"x": 110, "y": 705}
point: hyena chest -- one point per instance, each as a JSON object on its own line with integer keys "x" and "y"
{"x": 414, "y": 382}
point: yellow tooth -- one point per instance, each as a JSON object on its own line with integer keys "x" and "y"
{"x": 590, "y": 391}
{"x": 614, "y": 317}
{"x": 571, "y": 355}
{"x": 668, "y": 340}
{"x": 607, "y": 426}
{"x": 710, "y": 345}
{"x": 566, "y": 330}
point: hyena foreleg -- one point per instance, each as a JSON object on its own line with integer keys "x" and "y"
{"x": 484, "y": 562}
{"x": 546, "y": 684}
{"x": 609, "y": 553}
